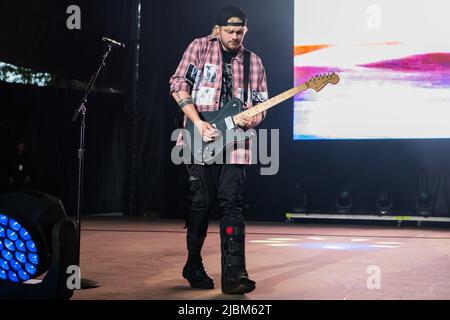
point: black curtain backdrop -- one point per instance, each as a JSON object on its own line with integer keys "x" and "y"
{"x": 37, "y": 38}
{"x": 40, "y": 117}
{"x": 34, "y": 35}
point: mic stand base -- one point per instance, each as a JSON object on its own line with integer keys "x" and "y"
{"x": 88, "y": 284}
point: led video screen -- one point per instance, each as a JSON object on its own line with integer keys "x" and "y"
{"x": 393, "y": 60}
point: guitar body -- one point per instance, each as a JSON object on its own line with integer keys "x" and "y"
{"x": 222, "y": 120}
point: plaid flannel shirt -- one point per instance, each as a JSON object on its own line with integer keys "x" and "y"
{"x": 200, "y": 74}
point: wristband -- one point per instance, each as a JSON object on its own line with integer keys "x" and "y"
{"x": 185, "y": 102}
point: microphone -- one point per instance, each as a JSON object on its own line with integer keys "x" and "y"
{"x": 113, "y": 42}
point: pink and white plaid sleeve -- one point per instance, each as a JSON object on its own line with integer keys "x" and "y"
{"x": 184, "y": 77}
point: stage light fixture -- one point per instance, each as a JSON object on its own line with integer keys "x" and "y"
{"x": 36, "y": 237}
{"x": 384, "y": 202}
{"x": 344, "y": 201}
{"x": 19, "y": 258}
{"x": 300, "y": 203}
{"x": 424, "y": 203}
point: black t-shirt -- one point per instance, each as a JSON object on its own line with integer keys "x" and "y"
{"x": 20, "y": 167}
{"x": 226, "y": 93}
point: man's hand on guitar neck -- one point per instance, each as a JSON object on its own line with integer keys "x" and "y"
{"x": 247, "y": 122}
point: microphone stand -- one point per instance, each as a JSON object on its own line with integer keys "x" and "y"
{"x": 80, "y": 111}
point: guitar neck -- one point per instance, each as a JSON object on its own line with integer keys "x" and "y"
{"x": 271, "y": 102}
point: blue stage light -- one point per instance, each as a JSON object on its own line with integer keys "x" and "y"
{"x": 14, "y": 225}
{"x": 36, "y": 239}
{"x": 31, "y": 246}
{"x": 20, "y": 246}
{"x": 12, "y": 235}
{"x": 30, "y": 268}
{"x": 15, "y": 265}
{"x": 24, "y": 234}
{"x": 21, "y": 257}
{"x": 16, "y": 246}
{"x": 9, "y": 245}
{"x": 23, "y": 275}
{"x": 4, "y": 264}
{"x": 7, "y": 255}
{"x": 33, "y": 258}
{"x": 12, "y": 276}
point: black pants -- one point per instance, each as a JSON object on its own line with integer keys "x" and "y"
{"x": 224, "y": 182}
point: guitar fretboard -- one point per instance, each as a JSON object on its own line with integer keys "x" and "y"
{"x": 271, "y": 102}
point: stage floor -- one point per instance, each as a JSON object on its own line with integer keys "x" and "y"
{"x": 143, "y": 259}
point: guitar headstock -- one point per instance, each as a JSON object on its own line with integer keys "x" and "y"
{"x": 319, "y": 82}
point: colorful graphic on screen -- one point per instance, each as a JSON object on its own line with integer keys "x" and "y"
{"x": 393, "y": 60}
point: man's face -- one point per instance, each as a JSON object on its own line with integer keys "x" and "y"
{"x": 232, "y": 37}
{"x": 21, "y": 148}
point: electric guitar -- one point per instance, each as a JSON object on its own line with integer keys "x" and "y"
{"x": 225, "y": 120}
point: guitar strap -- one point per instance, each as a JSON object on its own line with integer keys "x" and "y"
{"x": 246, "y": 74}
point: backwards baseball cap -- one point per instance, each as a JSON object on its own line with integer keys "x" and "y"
{"x": 232, "y": 16}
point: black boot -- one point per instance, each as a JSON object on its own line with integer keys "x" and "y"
{"x": 194, "y": 271}
{"x": 234, "y": 275}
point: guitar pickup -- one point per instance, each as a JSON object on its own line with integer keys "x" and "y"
{"x": 229, "y": 123}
